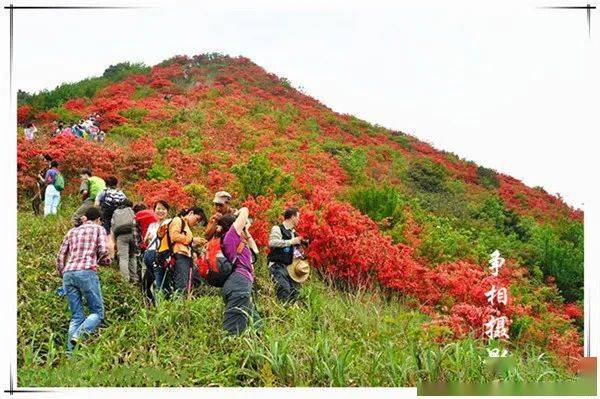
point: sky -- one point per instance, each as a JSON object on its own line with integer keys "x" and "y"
{"x": 505, "y": 84}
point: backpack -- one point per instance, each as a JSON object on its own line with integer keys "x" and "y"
{"x": 164, "y": 254}
{"x": 214, "y": 267}
{"x": 112, "y": 199}
{"x": 59, "y": 182}
{"x": 122, "y": 221}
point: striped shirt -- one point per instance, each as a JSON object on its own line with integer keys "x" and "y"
{"x": 83, "y": 248}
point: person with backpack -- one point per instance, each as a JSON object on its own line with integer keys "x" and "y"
{"x": 89, "y": 188}
{"x": 82, "y": 251}
{"x": 282, "y": 242}
{"x": 237, "y": 289}
{"x": 108, "y": 200}
{"x": 55, "y": 183}
{"x": 176, "y": 256}
{"x": 122, "y": 233}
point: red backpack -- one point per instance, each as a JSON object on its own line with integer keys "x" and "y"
{"x": 214, "y": 267}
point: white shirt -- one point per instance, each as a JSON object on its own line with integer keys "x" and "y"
{"x": 151, "y": 234}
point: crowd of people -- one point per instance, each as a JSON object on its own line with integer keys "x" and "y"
{"x": 88, "y": 128}
{"x": 162, "y": 252}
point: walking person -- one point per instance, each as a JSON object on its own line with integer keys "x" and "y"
{"x": 82, "y": 251}
{"x": 151, "y": 242}
{"x": 237, "y": 290}
{"x": 55, "y": 183}
{"x": 30, "y": 131}
{"x": 178, "y": 277}
{"x": 40, "y": 189}
{"x": 89, "y": 188}
{"x": 109, "y": 199}
{"x": 282, "y": 240}
{"x": 122, "y": 233}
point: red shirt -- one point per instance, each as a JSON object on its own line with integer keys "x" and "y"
{"x": 145, "y": 218}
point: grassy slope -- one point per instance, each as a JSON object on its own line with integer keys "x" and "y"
{"x": 332, "y": 338}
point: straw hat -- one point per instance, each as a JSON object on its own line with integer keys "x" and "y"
{"x": 299, "y": 270}
{"x": 222, "y": 197}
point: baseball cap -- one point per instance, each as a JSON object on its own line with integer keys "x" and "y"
{"x": 222, "y": 197}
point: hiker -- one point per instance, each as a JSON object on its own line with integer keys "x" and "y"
{"x": 83, "y": 249}
{"x": 89, "y": 188}
{"x": 144, "y": 217}
{"x": 58, "y": 129}
{"x": 154, "y": 273}
{"x": 100, "y": 136}
{"x": 40, "y": 189}
{"x": 178, "y": 277}
{"x": 122, "y": 233}
{"x": 237, "y": 290}
{"x": 30, "y": 131}
{"x": 55, "y": 183}
{"x": 108, "y": 200}
{"x": 222, "y": 207}
{"x": 282, "y": 241}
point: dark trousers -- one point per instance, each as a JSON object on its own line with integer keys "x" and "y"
{"x": 286, "y": 288}
{"x": 177, "y": 277}
{"x": 237, "y": 294}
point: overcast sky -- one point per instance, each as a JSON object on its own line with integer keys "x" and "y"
{"x": 505, "y": 84}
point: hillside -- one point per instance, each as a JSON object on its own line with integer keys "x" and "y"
{"x": 400, "y": 236}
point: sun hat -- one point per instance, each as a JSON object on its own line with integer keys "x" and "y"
{"x": 299, "y": 270}
{"x": 222, "y": 197}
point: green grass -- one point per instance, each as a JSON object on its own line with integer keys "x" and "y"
{"x": 330, "y": 338}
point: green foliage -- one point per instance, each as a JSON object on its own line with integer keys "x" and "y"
{"x": 259, "y": 109}
{"x": 401, "y": 139}
{"x": 197, "y": 117}
{"x": 285, "y": 117}
{"x": 66, "y": 116}
{"x": 143, "y": 91}
{"x": 427, "y": 175}
{"x": 487, "y": 177}
{"x": 376, "y": 202}
{"x": 127, "y": 131}
{"x": 159, "y": 171}
{"x": 354, "y": 163}
{"x": 200, "y": 193}
{"x": 313, "y": 126}
{"x": 220, "y": 120}
{"x": 257, "y": 176}
{"x": 134, "y": 114}
{"x": 442, "y": 242}
{"x": 167, "y": 142}
{"x": 121, "y": 70}
{"x": 336, "y": 148}
{"x": 504, "y": 219}
{"x": 558, "y": 251}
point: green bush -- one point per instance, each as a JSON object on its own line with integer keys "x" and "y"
{"x": 442, "y": 242}
{"x": 487, "y": 177}
{"x": 376, "y": 202}
{"x": 143, "y": 91}
{"x": 126, "y": 131}
{"x": 159, "y": 171}
{"x": 354, "y": 163}
{"x": 285, "y": 117}
{"x": 427, "y": 175}
{"x": 167, "y": 142}
{"x": 134, "y": 114}
{"x": 257, "y": 176}
{"x": 558, "y": 251}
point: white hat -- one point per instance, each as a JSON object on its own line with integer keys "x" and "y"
{"x": 222, "y": 197}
